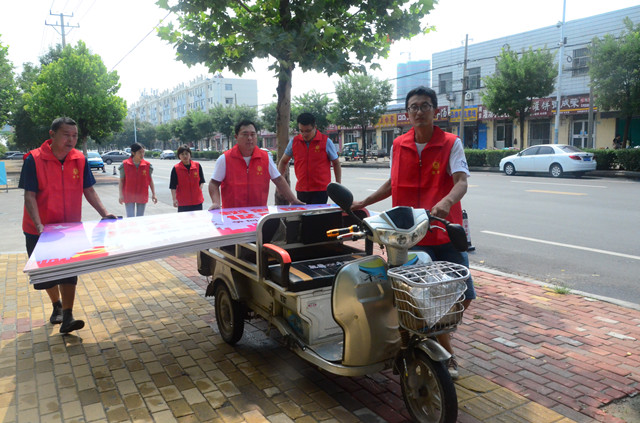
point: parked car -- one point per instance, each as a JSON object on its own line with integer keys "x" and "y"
{"x": 13, "y": 155}
{"x": 95, "y": 161}
{"x": 167, "y": 154}
{"x": 555, "y": 159}
{"x": 115, "y": 156}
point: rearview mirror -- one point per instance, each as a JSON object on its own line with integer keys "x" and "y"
{"x": 340, "y": 195}
{"x": 458, "y": 236}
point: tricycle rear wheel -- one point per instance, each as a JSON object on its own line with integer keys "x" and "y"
{"x": 229, "y": 315}
{"x": 428, "y": 390}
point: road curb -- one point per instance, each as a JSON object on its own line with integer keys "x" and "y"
{"x": 500, "y": 273}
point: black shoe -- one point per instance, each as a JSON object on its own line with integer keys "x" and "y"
{"x": 56, "y": 316}
{"x": 69, "y": 324}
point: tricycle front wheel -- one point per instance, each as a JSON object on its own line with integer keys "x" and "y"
{"x": 229, "y": 315}
{"x": 428, "y": 390}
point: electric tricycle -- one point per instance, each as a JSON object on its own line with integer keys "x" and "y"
{"x": 339, "y": 306}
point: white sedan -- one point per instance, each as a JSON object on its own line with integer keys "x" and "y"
{"x": 555, "y": 159}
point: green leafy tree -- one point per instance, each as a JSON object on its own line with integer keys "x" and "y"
{"x": 164, "y": 134}
{"x": 319, "y": 105}
{"x": 269, "y": 114}
{"x": 78, "y": 85}
{"x": 361, "y": 101}
{"x": 519, "y": 78}
{"x": 8, "y": 90}
{"x": 27, "y": 135}
{"x": 615, "y": 73}
{"x": 335, "y": 37}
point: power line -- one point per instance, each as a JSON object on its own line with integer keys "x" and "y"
{"x": 139, "y": 42}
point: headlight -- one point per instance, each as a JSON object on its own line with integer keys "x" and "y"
{"x": 403, "y": 239}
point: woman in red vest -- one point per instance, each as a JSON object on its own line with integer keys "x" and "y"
{"x": 135, "y": 181}
{"x": 186, "y": 182}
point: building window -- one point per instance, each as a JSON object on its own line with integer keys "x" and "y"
{"x": 228, "y": 87}
{"x": 445, "y": 83}
{"x": 580, "y": 62}
{"x": 539, "y": 132}
{"x": 228, "y": 100}
{"x": 473, "y": 79}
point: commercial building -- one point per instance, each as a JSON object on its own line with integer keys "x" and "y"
{"x": 484, "y": 130}
{"x": 202, "y": 93}
{"x": 410, "y": 75}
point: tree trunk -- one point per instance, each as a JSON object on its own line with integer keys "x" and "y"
{"x": 364, "y": 144}
{"x": 283, "y": 116}
{"x": 523, "y": 145}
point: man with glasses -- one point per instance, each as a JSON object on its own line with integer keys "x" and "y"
{"x": 241, "y": 175}
{"x": 429, "y": 170}
{"x": 313, "y": 154}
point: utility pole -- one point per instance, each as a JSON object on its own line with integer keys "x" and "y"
{"x": 590, "y": 127}
{"x": 62, "y": 26}
{"x": 560, "y": 59}
{"x": 464, "y": 89}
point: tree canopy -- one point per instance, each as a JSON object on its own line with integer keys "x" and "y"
{"x": 361, "y": 101}
{"x": 78, "y": 85}
{"x": 615, "y": 73}
{"x": 8, "y": 90}
{"x": 332, "y": 36}
{"x": 519, "y": 78}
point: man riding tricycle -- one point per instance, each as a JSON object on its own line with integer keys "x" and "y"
{"x": 339, "y": 306}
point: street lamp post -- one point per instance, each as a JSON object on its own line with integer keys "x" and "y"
{"x": 560, "y": 57}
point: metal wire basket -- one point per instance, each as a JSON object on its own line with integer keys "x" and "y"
{"x": 429, "y": 297}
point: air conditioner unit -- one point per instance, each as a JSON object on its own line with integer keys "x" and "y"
{"x": 451, "y": 96}
{"x": 468, "y": 96}
{"x": 397, "y": 130}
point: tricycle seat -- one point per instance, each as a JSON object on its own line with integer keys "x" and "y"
{"x": 309, "y": 274}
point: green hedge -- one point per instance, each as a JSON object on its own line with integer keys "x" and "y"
{"x": 606, "y": 159}
{"x": 483, "y": 158}
{"x": 629, "y": 158}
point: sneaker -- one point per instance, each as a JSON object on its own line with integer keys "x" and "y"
{"x": 452, "y": 366}
{"x": 69, "y": 324}
{"x": 56, "y": 316}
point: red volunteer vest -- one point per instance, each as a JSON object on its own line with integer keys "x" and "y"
{"x": 245, "y": 186}
{"x": 312, "y": 165}
{"x": 421, "y": 182}
{"x": 188, "y": 192}
{"x": 136, "y": 182}
{"x": 60, "y": 188}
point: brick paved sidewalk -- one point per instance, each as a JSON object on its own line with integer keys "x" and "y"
{"x": 151, "y": 352}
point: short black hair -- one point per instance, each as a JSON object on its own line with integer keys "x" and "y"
{"x": 135, "y": 147}
{"x": 422, "y": 90}
{"x": 57, "y": 123}
{"x": 306, "y": 118}
{"x": 245, "y": 122}
{"x": 183, "y": 148}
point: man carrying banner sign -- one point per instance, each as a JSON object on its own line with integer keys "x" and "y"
{"x": 241, "y": 175}
{"x": 54, "y": 178}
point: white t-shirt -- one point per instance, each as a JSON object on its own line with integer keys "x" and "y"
{"x": 220, "y": 168}
{"x": 457, "y": 159}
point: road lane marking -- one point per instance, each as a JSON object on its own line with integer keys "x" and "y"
{"x": 552, "y": 183}
{"x": 559, "y": 244}
{"x": 555, "y": 192}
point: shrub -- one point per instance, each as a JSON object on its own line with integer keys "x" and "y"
{"x": 475, "y": 157}
{"x": 493, "y": 157}
{"x": 629, "y": 158}
{"x": 606, "y": 159}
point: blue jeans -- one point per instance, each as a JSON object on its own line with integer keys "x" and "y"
{"x": 447, "y": 252}
{"x": 134, "y": 209}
